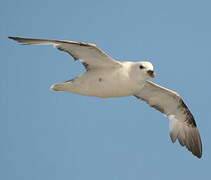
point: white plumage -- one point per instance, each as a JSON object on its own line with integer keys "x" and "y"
{"x": 106, "y": 77}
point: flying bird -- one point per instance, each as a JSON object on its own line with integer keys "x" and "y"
{"x": 106, "y": 77}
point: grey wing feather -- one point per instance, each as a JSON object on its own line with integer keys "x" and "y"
{"x": 181, "y": 121}
{"x": 89, "y": 54}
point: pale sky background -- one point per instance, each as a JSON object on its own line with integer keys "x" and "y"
{"x": 47, "y": 135}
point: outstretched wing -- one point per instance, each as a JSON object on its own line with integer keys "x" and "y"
{"x": 89, "y": 54}
{"x": 181, "y": 122}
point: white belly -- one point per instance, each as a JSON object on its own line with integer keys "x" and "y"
{"x": 102, "y": 85}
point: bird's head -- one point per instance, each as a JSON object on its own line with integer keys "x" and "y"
{"x": 146, "y": 69}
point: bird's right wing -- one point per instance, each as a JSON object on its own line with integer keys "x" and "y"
{"x": 89, "y": 54}
{"x": 182, "y": 124}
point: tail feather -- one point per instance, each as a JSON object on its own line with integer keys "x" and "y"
{"x": 57, "y": 87}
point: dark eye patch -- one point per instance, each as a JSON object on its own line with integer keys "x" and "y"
{"x": 141, "y": 67}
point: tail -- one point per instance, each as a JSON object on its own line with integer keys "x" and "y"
{"x": 58, "y": 87}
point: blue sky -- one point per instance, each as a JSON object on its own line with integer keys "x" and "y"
{"x": 57, "y": 135}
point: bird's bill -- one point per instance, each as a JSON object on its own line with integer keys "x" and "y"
{"x": 152, "y": 74}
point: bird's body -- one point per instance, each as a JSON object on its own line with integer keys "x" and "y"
{"x": 106, "y": 77}
{"x": 104, "y": 83}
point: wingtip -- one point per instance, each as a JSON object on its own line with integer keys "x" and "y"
{"x": 198, "y": 155}
{"x": 11, "y": 37}
{"x": 172, "y": 137}
{"x": 22, "y": 41}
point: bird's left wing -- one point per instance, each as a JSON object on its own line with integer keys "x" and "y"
{"x": 182, "y": 124}
{"x": 89, "y": 54}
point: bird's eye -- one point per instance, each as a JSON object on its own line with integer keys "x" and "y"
{"x": 141, "y": 67}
